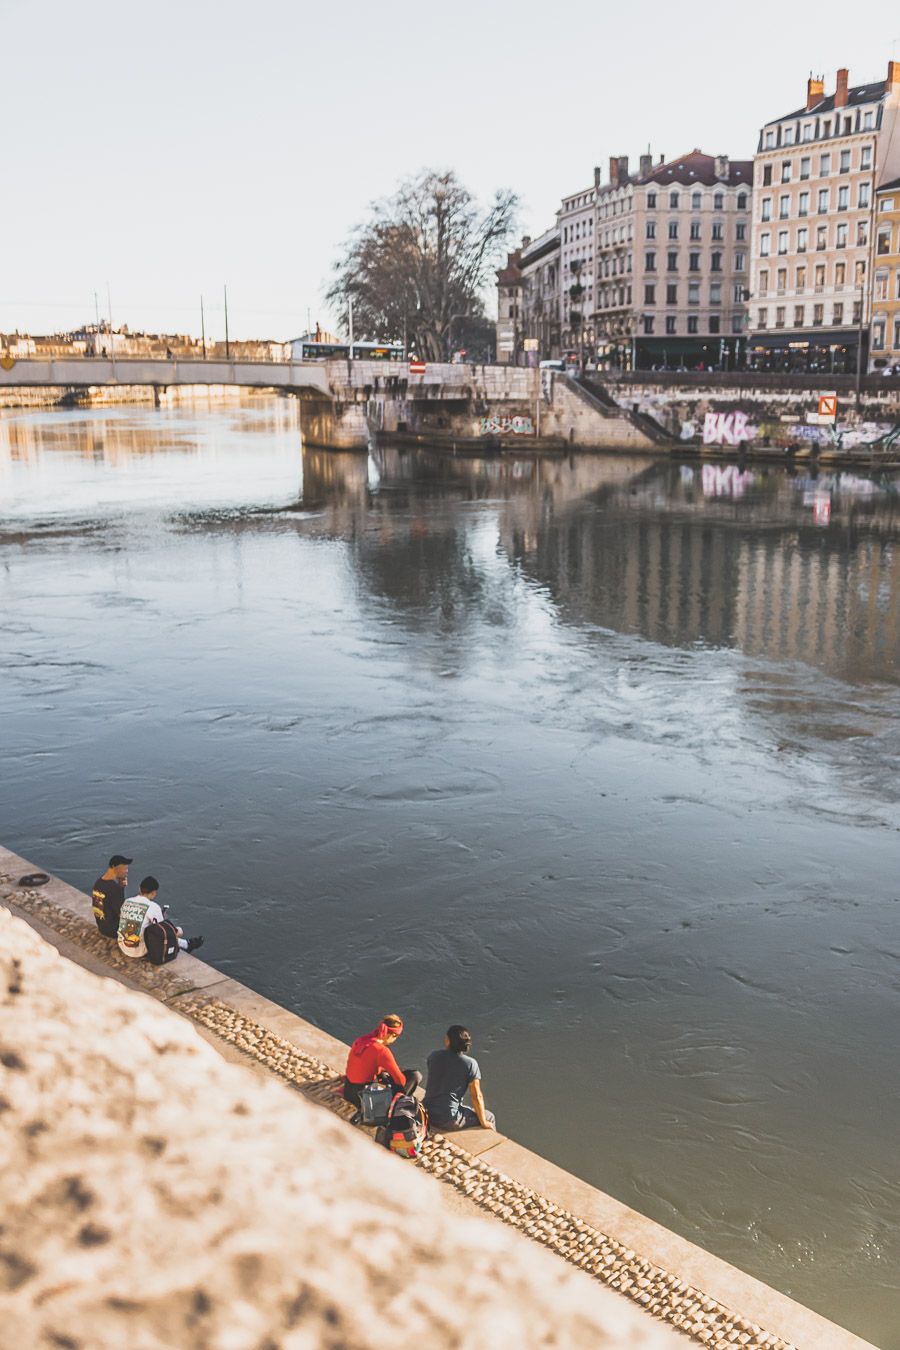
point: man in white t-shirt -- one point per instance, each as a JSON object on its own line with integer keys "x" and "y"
{"x": 140, "y": 911}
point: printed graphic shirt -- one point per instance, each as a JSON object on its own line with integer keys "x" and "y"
{"x": 137, "y": 913}
{"x": 106, "y": 899}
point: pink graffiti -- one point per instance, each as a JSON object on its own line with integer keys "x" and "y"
{"x": 727, "y": 428}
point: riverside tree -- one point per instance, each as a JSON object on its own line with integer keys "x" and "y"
{"x": 419, "y": 265}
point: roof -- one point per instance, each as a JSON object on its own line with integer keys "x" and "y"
{"x": 860, "y": 93}
{"x": 548, "y": 242}
{"x": 892, "y": 186}
{"x": 696, "y": 167}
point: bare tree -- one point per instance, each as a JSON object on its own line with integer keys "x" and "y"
{"x": 420, "y": 263}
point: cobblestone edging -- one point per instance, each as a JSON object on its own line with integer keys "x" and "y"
{"x": 702, "y": 1318}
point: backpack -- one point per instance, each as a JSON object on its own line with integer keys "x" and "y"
{"x": 161, "y": 939}
{"x": 375, "y": 1103}
{"x": 406, "y": 1127}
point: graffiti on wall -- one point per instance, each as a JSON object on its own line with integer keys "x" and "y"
{"x": 731, "y": 428}
{"x": 506, "y": 426}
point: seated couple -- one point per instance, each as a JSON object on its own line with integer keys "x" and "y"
{"x": 452, "y": 1072}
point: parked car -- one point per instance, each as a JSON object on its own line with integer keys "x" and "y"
{"x": 552, "y": 365}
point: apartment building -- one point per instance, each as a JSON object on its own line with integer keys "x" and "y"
{"x": 885, "y": 326}
{"x": 509, "y": 310}
{"x": 815, "y": 176}
{"x": 540, "y": 268}
{"x": 673, "y": 262}
{"x": 576, "y": 220}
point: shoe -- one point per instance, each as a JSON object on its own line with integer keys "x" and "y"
{"x": 194, "y": 943}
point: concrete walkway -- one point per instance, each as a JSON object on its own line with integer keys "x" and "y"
{"x": 704, "y": 1298}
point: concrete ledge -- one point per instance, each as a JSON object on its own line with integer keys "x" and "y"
{"x": 704, "y": 1297}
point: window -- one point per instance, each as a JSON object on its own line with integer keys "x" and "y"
{"x": 693, "y": 262}
{"x": 693, "y": 292}
{"x": 802, "y": 238}
{"x": 821, "y": 236}
{"x": 841, "y": 235}
{"x": 673, "y": 200}
{"x": 692, "y": 323}
{"x": 788, "y": 136}
{"x": 651, "y": 229}
{"x": 649, "y": 295}
{"x": 799, "y": 311}
{"x": 824, "y": 166}
{"x": 800, "y": 280}
{"x": 843, "y": 201}
{"x": 648, "y": 323}
{"x": 766, "y": 213}
{"x": 651, "y": 200}
{"x": 715, "y": 293}
{"x": 807, "y": 131}
{"x": 764, "y": 242}
{"x": 672, "y": 294}
{"x": 670, "y": 323}
{"x": 864, "y": 194}
{"x": 695, "y": 229}
{"x": 737, "y": 323}
{"x": 740, "y": 231}
{"x": 763, "y": 281}
{"x": 649, "y": 262}
{"x": 737, "y": 295}
{"x": 673, "y": 229}
{"x": 718, "y": 230}
{"x": 837, "y": 314}
{"x": 845, "y": 161}
{"x": 859, "y": 272}
{"x": 822, "y": 201}
{"x": 672, "y": 262}
{"x": 742, "y": 201}
{"x": 803, "y": 204}
{"x": 868, "y": 121}
{"x": 696, "y": 201}
{"x": 716, "y": 262}
{"x": 857, "y": 312}
{"x": 784, "y": 206}
{"x": 718, "y": 201}
{"x": 883, "y": 240}
{"x": 767, "y": 175}
{"x": 782, "y": 241}
{"x": 865, "y": 157}
{"x": 896, "y": 342}
{"x": 820, "y": 276}
{"x": 878, "y": 335}
{"x": 881, "y": 285}
{"x": 862, "y": 233}
{"x": 740, "y": 261}
{"x": 818, "y": 315}
{"x": 779, "y": 316}
{"x": 805, "y": 166}
{"x": 840, "y": 274}
{"x": 886, "y": 204}
{"x": 770, "y": 140}
{"x": 786, "y": 171}
{"x": 714, "y": 323}
{"x": 762, "y": 318}
{"x": 781, "y": 280}
{"x": 826, "y": 127}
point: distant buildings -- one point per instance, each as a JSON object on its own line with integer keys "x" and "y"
{"x": 788, "y": 261}
{"x": 99, "y": 339}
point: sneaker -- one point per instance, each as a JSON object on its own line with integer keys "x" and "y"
{"x": 194, "y": 943}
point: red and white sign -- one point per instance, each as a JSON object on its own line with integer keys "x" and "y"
{"x": 827, "y": 407}
{"x": 417, "y": 367}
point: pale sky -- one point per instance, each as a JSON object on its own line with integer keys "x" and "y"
{"x": 167, "y": 148}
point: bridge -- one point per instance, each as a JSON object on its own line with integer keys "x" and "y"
{"x": 90, "y": 372}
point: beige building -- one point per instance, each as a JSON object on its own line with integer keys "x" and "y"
{"x": 815, "y": 176}
{"x": 509, "y": 310}
{"x": 540, "y": 267}
{"x": 884, "y": 346}
{"x": 577, "y": 219}
{"x": 672, "y": 262}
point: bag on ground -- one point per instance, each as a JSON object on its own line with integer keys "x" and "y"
{"x": 162, "y": 942}
{"x": 374, "y": 1103}
{"x": 406, "y": 1127}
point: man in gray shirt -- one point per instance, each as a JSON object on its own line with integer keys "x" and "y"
{"x": 452, "y": 1072}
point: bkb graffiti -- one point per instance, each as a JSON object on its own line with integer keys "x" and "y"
{"x": 507, "y": 426}
{"x": 730, "y": 428}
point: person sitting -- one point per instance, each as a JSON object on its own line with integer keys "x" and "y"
{"x": 138, "y": 913}
{"x": 451, "y": 1073}
{"x": 371, "y": 1060}
{"x": 108, "y": 895}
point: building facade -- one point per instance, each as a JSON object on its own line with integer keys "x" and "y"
{"x": 815, "y": 175}
{"x": 577, "y": 220}
{"x": 509, "y": 310}
{"x": 540, "y": 267}
{"x": 884, "y": 343}
{"x": 673, "y": 262}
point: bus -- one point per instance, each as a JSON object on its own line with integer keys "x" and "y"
{"x": 362, "y": 351}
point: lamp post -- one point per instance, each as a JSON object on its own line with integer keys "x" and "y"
{"x": 859, "y": 343}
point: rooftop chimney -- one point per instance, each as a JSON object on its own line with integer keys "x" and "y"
{"x": 722, "y": 168}
{"x": 893, "y": 80}
{"x": 646, "y": 165}
{"x": 614, "y": 171}
{"x": 623, "y": 168}
{"x": 598, "y": 175}
{"x": 815, "y": 91}
{"x": 841, "y": 92}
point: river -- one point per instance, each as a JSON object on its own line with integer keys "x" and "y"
{"x": 597, "y": 755}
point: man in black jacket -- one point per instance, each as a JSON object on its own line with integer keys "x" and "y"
{"x": 108, "y": 895}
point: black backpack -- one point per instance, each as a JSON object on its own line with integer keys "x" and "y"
{"x": 406, "y": 1127}
{"x": 161, "y": 939}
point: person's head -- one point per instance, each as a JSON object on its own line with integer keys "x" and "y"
{"x": 458, "y": 1039}
{"x": 149, "y": 887}
{"x": 118, "y": 865}
{"x": 393, "y": 1027}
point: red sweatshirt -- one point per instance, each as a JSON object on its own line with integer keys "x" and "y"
{"x": 365, "y": 1067}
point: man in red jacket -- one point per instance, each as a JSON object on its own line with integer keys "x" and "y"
{"x": 371, "y": 1060}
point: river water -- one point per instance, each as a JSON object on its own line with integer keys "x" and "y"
{"x": 597, "y": 755}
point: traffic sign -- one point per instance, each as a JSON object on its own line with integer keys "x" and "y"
{"x": 827, "y": 407}
{"x": 531, "y": 344}
{"x": 417, "y": 367}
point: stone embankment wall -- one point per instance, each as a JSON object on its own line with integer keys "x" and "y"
{"x": 156, "y": 1196}
{"x": 776, "y": 413}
